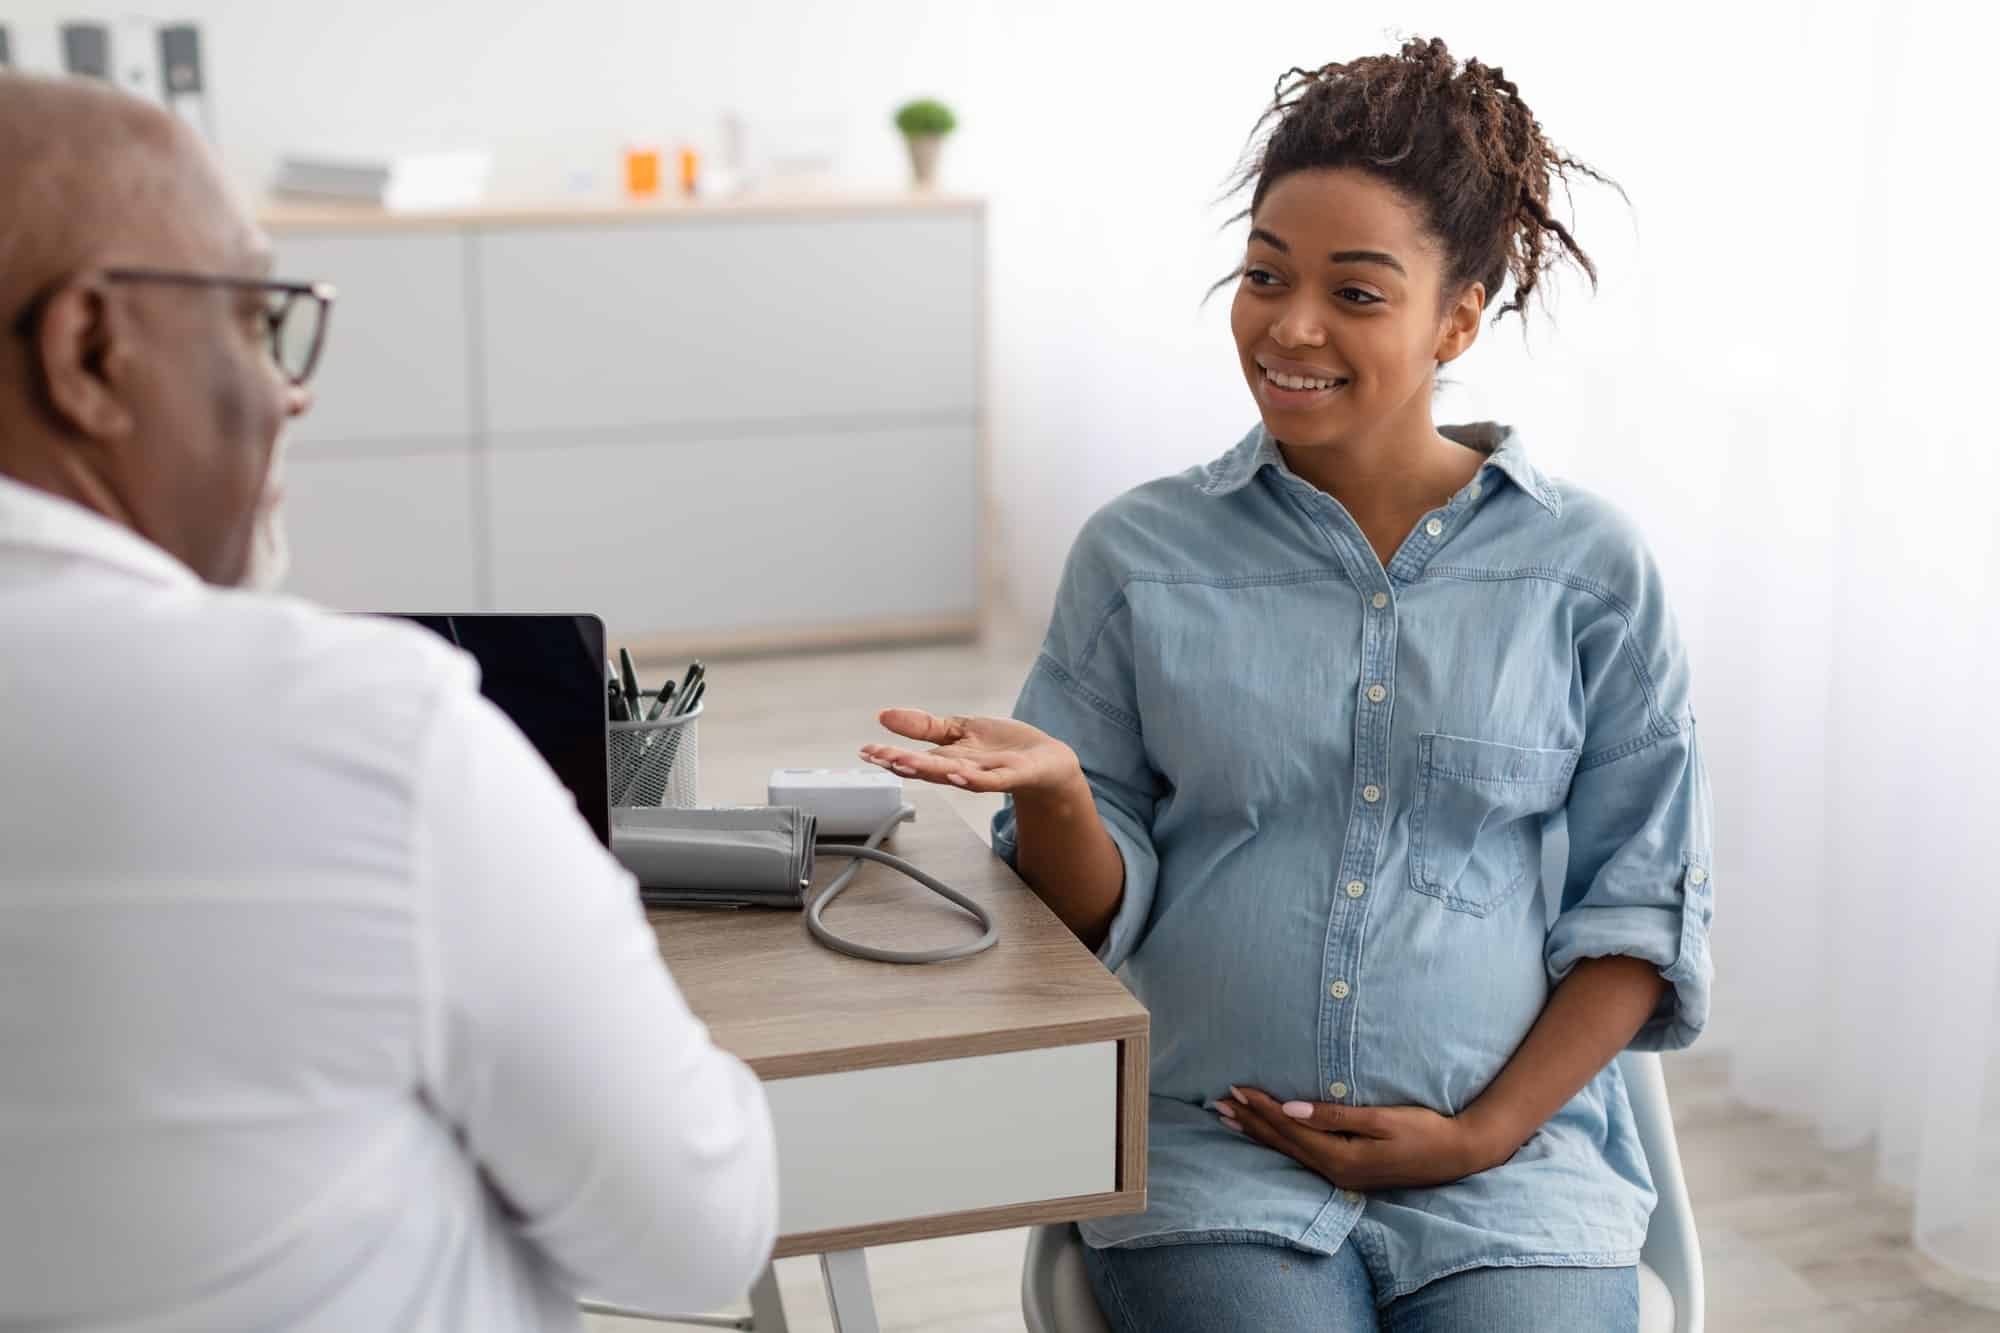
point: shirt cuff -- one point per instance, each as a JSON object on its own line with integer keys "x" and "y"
{"x": 1135, "y": 849}
{"x": 1673, "y": 938}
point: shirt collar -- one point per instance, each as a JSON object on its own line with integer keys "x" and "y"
{"x": 34, "y": 520}
{"x": 1502, "y": 445}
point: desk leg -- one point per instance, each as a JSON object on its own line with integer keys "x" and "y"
{"x": 767, "y": 1307}
{"x": 847, "y": 1294}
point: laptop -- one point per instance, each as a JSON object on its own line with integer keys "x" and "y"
{"x": 546, "y": 673}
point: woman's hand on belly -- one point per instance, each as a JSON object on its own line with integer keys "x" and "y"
{"x": 1361, "y": 1147}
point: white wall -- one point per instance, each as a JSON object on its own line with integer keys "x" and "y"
{"x": 1102, "y": 133}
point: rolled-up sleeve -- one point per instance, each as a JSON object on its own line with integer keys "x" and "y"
{"x": 1640, "y": 882}
{"x": 1081, "y": 691}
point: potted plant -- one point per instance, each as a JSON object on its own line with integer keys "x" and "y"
{"x": 924, "y": 124}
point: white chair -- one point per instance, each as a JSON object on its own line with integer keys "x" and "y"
{"x": 1056, "y": 1296}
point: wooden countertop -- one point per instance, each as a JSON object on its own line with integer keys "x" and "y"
{"x": 787, "y": 1006}
{"x": 280, "y": 215}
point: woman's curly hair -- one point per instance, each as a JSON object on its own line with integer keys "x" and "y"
{"x": 1456, "y": 140}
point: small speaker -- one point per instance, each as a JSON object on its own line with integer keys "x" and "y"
{"x": 87, "y": 50}
{"x": 181, "y": 79}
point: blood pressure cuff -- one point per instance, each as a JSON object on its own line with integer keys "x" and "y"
{"x": 732, "y": 856}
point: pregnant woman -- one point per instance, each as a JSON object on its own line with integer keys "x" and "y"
{"x": 1300, "y": 723}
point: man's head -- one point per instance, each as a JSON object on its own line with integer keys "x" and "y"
{"x": 157, "y": 404}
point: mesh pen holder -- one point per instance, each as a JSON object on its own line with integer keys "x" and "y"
{"x": 657, "y": 763}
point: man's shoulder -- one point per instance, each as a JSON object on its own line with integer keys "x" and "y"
{"x": 356, "y": 656}
{"x": 366, "y": 678}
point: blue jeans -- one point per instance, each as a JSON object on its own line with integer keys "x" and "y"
{"x": 1217, "y": 1287}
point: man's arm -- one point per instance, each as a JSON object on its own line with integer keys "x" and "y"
{"x": 637, "y": 1154}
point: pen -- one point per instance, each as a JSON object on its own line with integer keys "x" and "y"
{"x": 688, "y": 705}
{"x": 660, "y": 702}
{"x": 631, "y": 676}
{"x": 694, "y": 673}
{"x": 690, "y": 690}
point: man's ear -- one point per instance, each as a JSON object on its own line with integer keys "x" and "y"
{"x": 84, "y": 338}
{"x": 1461, "y": 323}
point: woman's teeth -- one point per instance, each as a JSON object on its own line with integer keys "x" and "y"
{"x": 1300, "y": 381}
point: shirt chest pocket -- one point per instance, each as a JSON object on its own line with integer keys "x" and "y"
{"x": 1475, "y": 828}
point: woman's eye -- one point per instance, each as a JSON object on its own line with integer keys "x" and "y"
{"x": 1259, "y": 277}
{"x": 1356, "y": 296}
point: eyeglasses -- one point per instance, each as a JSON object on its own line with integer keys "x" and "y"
{"x": 295, "y": 313}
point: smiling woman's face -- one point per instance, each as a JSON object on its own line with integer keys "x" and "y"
{"x": 1336, "y": 316}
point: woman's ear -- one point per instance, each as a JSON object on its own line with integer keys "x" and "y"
{"x": 1460, "y": 328}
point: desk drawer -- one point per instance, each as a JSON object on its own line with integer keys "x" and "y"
{"x": 868, "y": 1147}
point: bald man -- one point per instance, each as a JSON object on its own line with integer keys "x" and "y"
{"x": 320, "y": 1005}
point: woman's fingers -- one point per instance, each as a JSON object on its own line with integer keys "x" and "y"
{"x": 921, "y": 726}
{"x": 983, "y": 773}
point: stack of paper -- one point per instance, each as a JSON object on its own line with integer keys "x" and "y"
{"x": 414, "y": 181}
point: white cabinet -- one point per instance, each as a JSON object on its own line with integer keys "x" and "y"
{"x": 397, "y": 362}
{"x": 386, "y": 532}
{"x": 713, "y": 425}
{"x": 781, "y": 534}
{"x": 771, "y": 319}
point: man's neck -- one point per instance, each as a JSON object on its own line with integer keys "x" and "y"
{"x": 58, "y": 472}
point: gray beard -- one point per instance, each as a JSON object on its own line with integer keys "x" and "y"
{"x": 270, "y": 553}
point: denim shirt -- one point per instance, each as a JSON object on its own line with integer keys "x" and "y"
{"x": 1331, "y": 782}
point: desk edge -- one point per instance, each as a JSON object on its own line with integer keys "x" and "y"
{"x": 1123, "y": 1027}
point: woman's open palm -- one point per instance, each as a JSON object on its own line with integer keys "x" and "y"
{"x": 974, "y": 753}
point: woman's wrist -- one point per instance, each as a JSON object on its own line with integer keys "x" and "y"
{"x": 1492, "y": 1134}
{"x": 1063, "y": 796}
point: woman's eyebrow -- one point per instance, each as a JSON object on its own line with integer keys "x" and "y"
{"x": 1381, "y": 257}
{"x": 1368, "y": 257}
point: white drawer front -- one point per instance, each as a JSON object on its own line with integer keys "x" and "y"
{"x": 394, "y": 365}
{"x": 693, "y": 536}
{"x": 909, "y": 1141}
{"x": 382, "y": 533}
{"x": 592, "y": 327}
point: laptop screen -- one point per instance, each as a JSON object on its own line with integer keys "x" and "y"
{"x": 546, "y": 673}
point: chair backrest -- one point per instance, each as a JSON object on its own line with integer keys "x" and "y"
{"x": 1672, "y": 1250}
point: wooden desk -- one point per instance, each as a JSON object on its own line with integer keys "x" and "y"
{"x": 998, "y": 1091}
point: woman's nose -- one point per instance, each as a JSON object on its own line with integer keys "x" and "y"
{"x": 1298, "y": 326}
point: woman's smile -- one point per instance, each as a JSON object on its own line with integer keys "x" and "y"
{"x": 1296, "y": 386}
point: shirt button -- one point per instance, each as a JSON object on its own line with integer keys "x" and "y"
{"x": 1371, "y": 793}
{"x": 1376, "y": 694}
{"x": 1350, "y": 1196}
{"x": 1338, "y": 990}
{"x": 1697, "y": 876}
{"x": 1337, "y": 1090}
{"x": 1476, "y": 488}
{"x": 1355, "y": 888}
{"x": 1434, "y": 528}
{"x": 1379, "y": 600}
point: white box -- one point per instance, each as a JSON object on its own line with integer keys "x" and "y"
{"x": 849, "y": 802}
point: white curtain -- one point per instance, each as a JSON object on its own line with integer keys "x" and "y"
{"x": 1853, "y": 626}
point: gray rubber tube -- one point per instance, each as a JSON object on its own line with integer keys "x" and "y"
{"x": 871, "y": 850}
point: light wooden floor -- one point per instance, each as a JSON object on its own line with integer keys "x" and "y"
{"x": 1795, "y": 1239}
